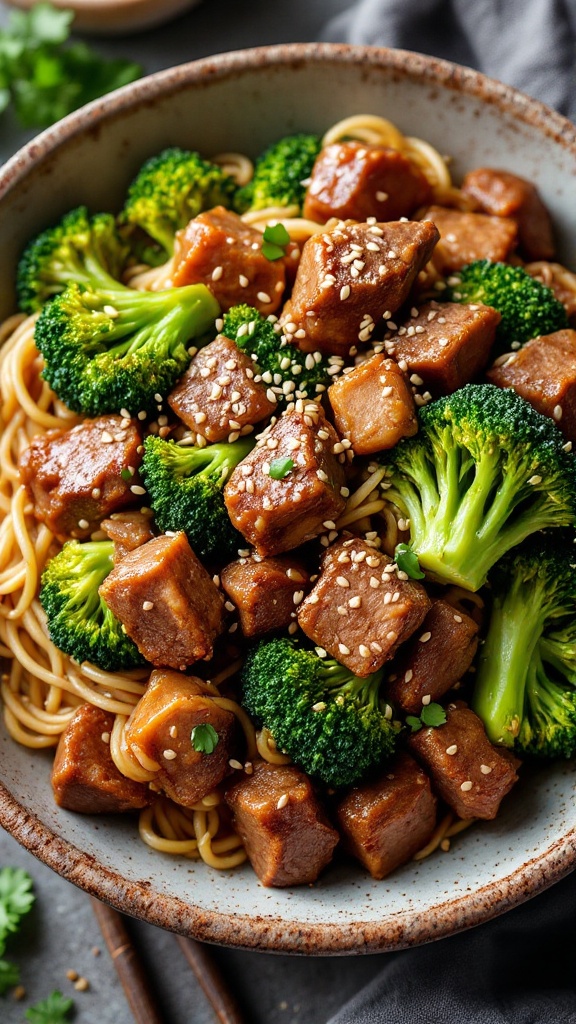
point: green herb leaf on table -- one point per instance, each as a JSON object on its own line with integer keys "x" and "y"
{"x": 52, "y": 1010}
{"x": 204, "y": 738}
{"x": 407, "y": 561}
{"x": 276, "y": 238}
{"x": 16, "y": 898}
{"x": 280, "y": 468}
{"x": 9, "y": 976}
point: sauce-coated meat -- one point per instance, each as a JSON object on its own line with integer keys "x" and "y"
{"x": 265, "y": 591}
{"x": 508, "y": 195}
{"x": 373, "y": 405}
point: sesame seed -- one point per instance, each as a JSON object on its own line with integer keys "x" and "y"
{"x": 83, "y": 524}
{"x": 557, "y": 413}
{"x": 457, "y": 618}
{"x": 313, "y": 599}
{"x": 136, "y": 489}
{"x": 391, "y": 636}
{"x": 173, "y": 732}
{"x": 342, "y": 581}
{"x": 217, "y": 273}
{"x": 408, "y": 675}
{"x": 105, "y": 737}
{"x": 319, "y": 706}
{"x": 466, "y": 786}
{"x": 106, "y": 438}
{"x": 364, "y": 651}
{"x": 343, "y": 649}
{"x": 320, "y": 652}
{"x": 147, "y": 606}
{"x": 426, "y": 699}
{"x": 169, "y": 754}
{"x": 263, "y": 297}
{"x": 375, "y": 583}
{"x": 485, "y": 769}
{"x": 425, "y": 637}
{"x": 452, "y": 749}
{"x": 344, "y": 292}
{"x": 381, "y": 197}
{"x": 235, "y": 764}
{"x": 534, "y": 480}
{"x": 243, "y": 281}
{"x": 355, "y": 602}
{"x": 282, "y": 801}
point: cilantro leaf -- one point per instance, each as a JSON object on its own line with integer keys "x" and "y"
{"x": 9, "y": 976}
{"x": 204, "y": 738}
{"x": 433, "y": 714}
{"x": 414, "y": 722}
{"x": 276, "y": 238}
{"x": 52, "y": 1010}
{"x": 407, "y": 561}
{"x": 16, "y": 898}
{"x": 280, "y": 468}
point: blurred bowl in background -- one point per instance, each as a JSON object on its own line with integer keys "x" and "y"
{"x": 115, "y": 17}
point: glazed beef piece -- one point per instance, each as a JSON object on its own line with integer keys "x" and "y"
{"x": 128, "y": 530}
{"x": 265, "y": 591}
{"x": 543, "y": 372}
{"x": 277, "y": 515}
{"x": 219, "y": 250}
{"x": 470, "y": 774}
{"x": 431, "y": 663}
{"x": 283, "y": 826}
{"x": 465, "y": 237}
{"x": 161, "y": 727}
{"x": 361, "y": 608}
{"x": 349, "y": 277}
{"x": 373, "y": 405}
{"x": 560, "y": 280}
{"x": 166, "y": 601}
{"x": 218, "y": 397}
{"x": 507, "y": 195}
{"x": 84, "y": 776}
{"x": 445, "y": 344}
{"x": 353, "y": 181}
{"x": 385, "y": 821}
{"x": 76, "y": 477}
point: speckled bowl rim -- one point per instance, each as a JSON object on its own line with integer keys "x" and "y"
{"x": 141, "y": 899}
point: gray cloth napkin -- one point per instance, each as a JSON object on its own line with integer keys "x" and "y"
{"x": 530, "y": 44}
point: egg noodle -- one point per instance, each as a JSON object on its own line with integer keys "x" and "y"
{"x": 42, "y": 687}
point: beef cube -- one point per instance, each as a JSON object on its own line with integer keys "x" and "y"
{"x": 349, "y": 277}
{"x": 84, "y": 776}
{"x": 265, "y": 591}
{"x": 386, "y": 821}
{"x": 283, "y": 826}
{"x": 560, "y": 280}
{"x": 361, "y": 608}
{"x": 162, "y": 726}
{"x": 507, "y": 195}
{"x": 218, "y": 397}
{"x": 373, "y": 406}
{"x": 76, "y": 477}
{"x": 280, "y": 514}
{"x": 219, "y": 250}
{"x": 354, "y": 181}
{"x": 465, "y": 237}
{"x": 470, "y": 774}
{"x": 445, "y": 344}
{"x": 428, "y": 666}
{"x": 166, "y": 601}
{"x": 543, "y": 372}
{"x": 128, "y": 530}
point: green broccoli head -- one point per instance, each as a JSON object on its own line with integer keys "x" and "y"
{"x": 527, "y": 307}
{"x": 108, "y": 349}
{"x": 287, "y": 371}
{"x": 79, "y": 248}
{"x": 186, "y": 491}
{"x": 169, "y": 190}
{"x": 280, "y": 173}
{"x": 331, "y": 723}
{"x": 79, "y": 621}
{"x": 484, "y": 472}
{"x": 525, "y": 689}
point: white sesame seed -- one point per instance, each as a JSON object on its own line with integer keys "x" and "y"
{"x": 466, "y": 786}
{"x": 217, "y": 273}
{"x": 319, "y": 706}
{"x": 313, "y": 599}
{"x": 136, "y": 489}
{"x": 320, "y": 652}
{"x": 173, "y": 732}
{"x": 485, "y": 769}
{"x": 343, "y": 649}
{"x": 344, "y": 292}
{"x": 169, "y": 754}
{"x": 147, "y": 606}
{"x": 426, "y": 699}
{"x": 342, "y": 581}
{"x": 452, "y": 749}
{"x": 557, "y": 413}
{"x": 408, "y": 675}
{"x": 457, "y": 618}
{"x": 425, "y": 637}
{"x": 282, "y": 801}
{"x": 534, "y": 480}
{"x": 355, "y": 602}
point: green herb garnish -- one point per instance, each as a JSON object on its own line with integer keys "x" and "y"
{"x": 280, "y": 468}
{"x": 276, "y": 238}
{"x": 9, "y": 976}
{"x": 204, "y": 738}
{"x": 52, "y": 1010}
{"x": 407, "y": 561}
{"x": 16, "y": 898}
{"x": 431, "y": 715}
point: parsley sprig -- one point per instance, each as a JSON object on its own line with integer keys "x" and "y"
{"x": 204, "y": 738}
{"x": 16, "y": 899}
{"x": 431, "y": 714}
{"x": 52, "y": 1010}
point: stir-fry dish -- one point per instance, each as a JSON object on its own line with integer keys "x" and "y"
{"x": 288, "y": 501}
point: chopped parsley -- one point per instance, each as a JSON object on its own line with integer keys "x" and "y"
{"x": 407, "y": 561}
{"x": 431, "y": 715}
{"x": 204, "y": 738}
{"x": 280, "y": 468}
{"x": 52, "y": 1010}
{"x": 276, "y": 238}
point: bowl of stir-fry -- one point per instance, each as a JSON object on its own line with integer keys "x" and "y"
{"x": 288, "y": 498}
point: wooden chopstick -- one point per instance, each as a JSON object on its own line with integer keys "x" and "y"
{"x": 211, "y": 981}
{"x": 128, "y": 964}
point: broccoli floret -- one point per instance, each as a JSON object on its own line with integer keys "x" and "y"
{"x": 185, "y": 487}
{"x": 484, "y": 471}
{"x": 282, "y": 362}
{"x": 114, "y": 348}
{"x": 79, "y": 621}
{"x": 332, "y": 723}
{"x": 279, "y": 174}
{"x": 169, "y": 190}
{"x": 79, "y": 248}
{"x": 525, "y": 691}
{"x": 527, "y": 307}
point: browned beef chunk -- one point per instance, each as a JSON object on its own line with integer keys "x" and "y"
{"x": 362, "y": 608}
{"x": 353, "y": 181}
{"x": 283, "y": 826}
{"x": 386, "y": 821}
{"x": 76, "y": 477}
{"x": 429, "y": 664}
{"x": 349, "y": 277}
{"x": 166, "y": 601}
{"x": 507, "y": 195}
{"x": 84, "y": 776}
{"x": 265, "y": 591}
{"x": 470, "y": 774}
{"x": 128, "y": 530}
{"x": 544, "y": 373}
{"x": 162, "y": 727}
{"x": 219, "y": 250}
{"x": 218, "y": 397}
{"x": 560, "y": 280}
{"x": 280, "y": 514}
{"x": 373, "y": 406}
{"x": 445, "y": 344}
{"x": 465, "y": 237}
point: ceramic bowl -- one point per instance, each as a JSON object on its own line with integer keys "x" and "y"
{"x": 242, "y": 101}
{"x": 116, "y": 17}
